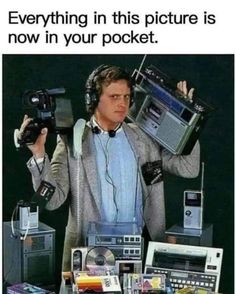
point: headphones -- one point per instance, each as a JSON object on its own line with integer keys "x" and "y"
{"x": 91, "y": 93}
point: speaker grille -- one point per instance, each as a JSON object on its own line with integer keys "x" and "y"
{"x": 171, "y": 131}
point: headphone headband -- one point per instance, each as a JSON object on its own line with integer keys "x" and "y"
{"x": 90, "y": 84}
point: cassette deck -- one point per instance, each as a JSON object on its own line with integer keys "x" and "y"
{"x": 123, "y": 238}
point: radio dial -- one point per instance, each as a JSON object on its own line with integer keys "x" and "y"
{"x": 188, "y": 212}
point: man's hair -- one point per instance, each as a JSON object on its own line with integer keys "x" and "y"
{"x": 109, "y": 75}
{"x": 103, "y": 75}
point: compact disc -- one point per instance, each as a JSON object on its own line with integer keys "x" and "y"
{"x": 100, "y": 256}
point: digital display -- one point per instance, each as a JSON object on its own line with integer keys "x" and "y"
{"x": 193, "y": 198}
{"x": 179, "y": 261}
{"x": 179, "y": 274}
{"x": 103, "y": 239}
{"x": 126, "y": 268}
{"x": 114, "y": 229}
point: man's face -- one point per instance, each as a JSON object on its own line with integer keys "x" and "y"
{"x": 113, "y": 104}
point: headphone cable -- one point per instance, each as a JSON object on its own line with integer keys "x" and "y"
{"x": 108, "y": 177}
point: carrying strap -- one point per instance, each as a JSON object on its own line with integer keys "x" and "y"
{"x": 80, "y": 132}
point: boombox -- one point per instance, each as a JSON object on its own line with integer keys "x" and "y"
{"x": 163, "y": 112}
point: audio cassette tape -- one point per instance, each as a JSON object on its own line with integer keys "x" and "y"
{"x": 86, "y": 283}
{"x": 128, "y": 266}
{"x": 144, "y": 283}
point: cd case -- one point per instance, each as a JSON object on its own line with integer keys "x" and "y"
{"x": 26, "y": 288}
{"x": 144, "y": 282}
{"x": 86, "y": 283}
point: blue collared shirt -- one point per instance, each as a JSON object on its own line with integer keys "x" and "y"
{"x": 120, "y": 185}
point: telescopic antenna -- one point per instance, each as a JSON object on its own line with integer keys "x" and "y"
{"x": 202, "y": 179}
{"x": 140, "y": 67}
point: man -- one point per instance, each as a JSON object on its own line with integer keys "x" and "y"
{"x": 107, "y": 177}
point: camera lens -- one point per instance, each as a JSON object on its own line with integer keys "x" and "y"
{"x": 34, "y": 100}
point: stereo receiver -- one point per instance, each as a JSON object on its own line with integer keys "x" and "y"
{"x": 123, "y": 238}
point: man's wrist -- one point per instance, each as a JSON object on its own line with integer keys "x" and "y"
{"x": 39, "y": 155}
{"x": 38, "y": 160}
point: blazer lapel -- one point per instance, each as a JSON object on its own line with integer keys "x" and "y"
{"x": 138, "y": 147}
{"x": 90, "y": 166}
{"x": 136, "y": 144}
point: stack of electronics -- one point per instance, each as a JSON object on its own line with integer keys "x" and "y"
{"x": 193, "y": 231}
{"x": 29, "y": 246}
{"x": 28, "y": 257}
{"x": 112, "y": 249}
{"x": 112, "y": 263}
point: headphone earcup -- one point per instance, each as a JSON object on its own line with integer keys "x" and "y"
{"x": 96, "y": 130}
{"x": 112, "y": 133}
{"x": 91, "y": 95}
{"x": 91, "y": 101}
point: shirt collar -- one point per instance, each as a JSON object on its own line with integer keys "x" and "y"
{"x": 93, "y": 123}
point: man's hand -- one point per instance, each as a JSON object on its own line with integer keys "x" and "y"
{"x": 182, "y": 87}
{"x": 38, "y": 148}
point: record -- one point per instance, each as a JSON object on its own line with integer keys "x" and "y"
{"x": 100, "y": 257}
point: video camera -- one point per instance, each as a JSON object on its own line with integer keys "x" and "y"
{"x": 54, "y": 112}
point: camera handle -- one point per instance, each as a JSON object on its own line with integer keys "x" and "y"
{"x": 16, "y": 138}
